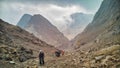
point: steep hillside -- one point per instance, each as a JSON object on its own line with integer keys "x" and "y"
{"x": 104, "y": 29}
{"x": 17, "y": 45}
{"x": 15, "y": 36}
{"x": 44, "y": 30}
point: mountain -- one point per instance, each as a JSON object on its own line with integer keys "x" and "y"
{"x": 24, "y": 20}
{"x": 104, "y": 30}
{"x": 98, "y": 46}
{"x": 80, "y": 21}
{"x": 18, "y": 45}
{"x": 44, "y": 30}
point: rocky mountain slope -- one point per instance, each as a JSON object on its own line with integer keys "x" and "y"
{"x": 44, "y": 30}
{"x": 104, "y": 29}
{"x": 17, "y": 45}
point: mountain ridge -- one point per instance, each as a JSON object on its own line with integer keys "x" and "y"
{"x": 43, "y": 29}
{"x": 20, "y": 37}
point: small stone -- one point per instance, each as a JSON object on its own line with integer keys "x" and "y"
{"x": 12, "y": 62}
{"x": 99, "y": 57}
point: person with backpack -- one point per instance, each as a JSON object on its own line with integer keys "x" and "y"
{"x": 41, "y": 57}
{"x": 57, "y": 53}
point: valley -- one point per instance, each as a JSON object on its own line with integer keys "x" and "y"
{"x": 97, "y": 46}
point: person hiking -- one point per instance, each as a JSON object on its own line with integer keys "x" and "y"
{"x": 57, "y": 53}
{"x": 41, "y": 57}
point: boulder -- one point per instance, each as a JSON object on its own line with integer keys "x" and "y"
{"x": 7, "y": 58}
{"x": 22, "y": 58}
{"x": 22, "y": 48}
{"x": 99, "y": 57}
{"x": 29, "y": 51}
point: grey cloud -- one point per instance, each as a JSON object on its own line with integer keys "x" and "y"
{"x": 91, "y": 5}
{"x": 57, "y": 2}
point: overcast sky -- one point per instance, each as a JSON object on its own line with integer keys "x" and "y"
{"x": 56, "y": 11}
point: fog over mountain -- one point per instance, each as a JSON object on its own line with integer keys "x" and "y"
{"x": 80, "y": 21}
{"x": 59, "y": 11}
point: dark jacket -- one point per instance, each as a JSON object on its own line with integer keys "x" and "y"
{"x": 41, "y": 55}
{"x": 57, "y": 53}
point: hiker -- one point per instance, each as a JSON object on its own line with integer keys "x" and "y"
{"x": 57, "y": 53}
{"x": 41, "y": 57}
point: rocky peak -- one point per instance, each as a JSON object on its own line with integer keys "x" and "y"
{"x": 24, "y": 20}
{"x": 44, "y": 30}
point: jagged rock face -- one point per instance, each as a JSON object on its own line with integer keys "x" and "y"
{"x": 105, "y": 27}
{"x": 44, "y": 30}
{"x": 24, "y": 20}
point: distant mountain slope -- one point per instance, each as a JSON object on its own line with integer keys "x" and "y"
{"x": 44, "y": 30}
{"x": 104, "y": 29}
{"x": 80, "y": 21}
{"x": 24, "y": 20}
